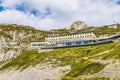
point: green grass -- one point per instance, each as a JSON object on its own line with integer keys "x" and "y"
{"x": 38, "y": 35}
{"x": 113, "y": 54}
{"x": 67, "y": 56}
{"x": 101, "y": 30}
{"x": 97, "y": 78}
{"x": 84, "y": 68}
{"x": 97, "y": 30}
{"x": 105, "y": 30}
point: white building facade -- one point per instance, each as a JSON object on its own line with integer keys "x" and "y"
{"x": 70, "y": 37}
{"x": 112, "y": 26}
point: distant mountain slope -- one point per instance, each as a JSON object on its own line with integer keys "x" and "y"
{"x": 12, "y": 36}
{"x": 19, "y": 32}
{"x": 102, "y": 30}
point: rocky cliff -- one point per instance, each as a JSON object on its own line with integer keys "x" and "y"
{"x": 12, "y": 36}
{"x": 78, "y": 25}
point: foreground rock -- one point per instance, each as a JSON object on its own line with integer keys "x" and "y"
{"x": 39, "y": 72}
{"x": 111, "y": 71}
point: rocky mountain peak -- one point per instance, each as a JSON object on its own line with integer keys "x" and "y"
{"x": 77, "y": 25}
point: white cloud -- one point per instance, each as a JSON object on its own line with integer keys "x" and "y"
{"x": 14, "y": 16}
{"x": 63, "y": 12}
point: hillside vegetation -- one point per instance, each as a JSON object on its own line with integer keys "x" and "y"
{"x": 102, "y": 30}
{"x": 81, "y": 59}
{"x": 13, "y": 35}
{"x": 24, "y": 33}
{"x": 97, "y": 30}
{"x": 28, "y": 33}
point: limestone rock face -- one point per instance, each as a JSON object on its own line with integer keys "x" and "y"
{"x": 78, "y": 25}
{"x": 15, "y": 38}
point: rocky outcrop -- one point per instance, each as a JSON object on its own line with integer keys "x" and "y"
{"x": 78, "y": 25}
{"x": 12, "y": 37}
{"x": 39, "y": 72}
{"x": 111, "y": 71}
{"x": 5, "y": 55}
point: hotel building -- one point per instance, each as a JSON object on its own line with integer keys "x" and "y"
{"x": 57, "y": 38}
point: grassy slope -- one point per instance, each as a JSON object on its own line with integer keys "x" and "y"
{"x": 97, "y": 30}
{"x": 68, "y": 56}
{"x": 102, "y": 30}
{"x": 5, "y": 28}
{"x": 98, "y": 78}
{"x": 12, "y": 27}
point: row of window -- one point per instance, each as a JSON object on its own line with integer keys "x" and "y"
{"x": 70, "y": 35}
{"x": 89, "y": 36}
{"x": 72, "y": 43}
{"x": 59, "y": 41}
{"x": 65, "y": 39}
{"x": 39, "y": 44}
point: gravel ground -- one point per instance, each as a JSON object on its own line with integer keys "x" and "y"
{"x": 40, "y": 72}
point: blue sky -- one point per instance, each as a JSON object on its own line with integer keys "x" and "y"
{"x": 53, "y": 14}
